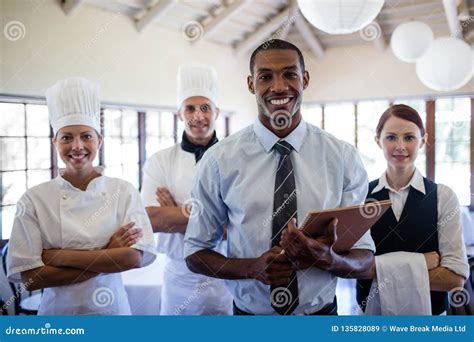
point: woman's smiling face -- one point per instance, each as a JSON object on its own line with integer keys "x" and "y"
{"x": 77, "y": 146}
{"x": 400, "y": 141}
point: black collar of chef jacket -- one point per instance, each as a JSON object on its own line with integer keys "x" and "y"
{"x": 198, "y": 150}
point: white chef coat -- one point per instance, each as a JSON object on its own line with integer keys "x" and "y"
{"x": 56, "y": 215}
{"x": 183, "y": 292}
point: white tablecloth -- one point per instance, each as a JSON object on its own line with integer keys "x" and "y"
{"x": 143, "y": 286}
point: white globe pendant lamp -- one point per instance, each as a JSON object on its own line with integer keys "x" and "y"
{"x": 340, "y": 16}
{"x": 411, "y": 40}
{"x": 447, "y": 65}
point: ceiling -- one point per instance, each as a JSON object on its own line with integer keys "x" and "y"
{"x": 243, "y": 24}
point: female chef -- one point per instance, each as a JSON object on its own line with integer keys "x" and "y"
{"x": 72, "y": 235}
{"x": 420, "y": 252}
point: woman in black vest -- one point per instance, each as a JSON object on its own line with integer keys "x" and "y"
{"x": 424, "y": 217}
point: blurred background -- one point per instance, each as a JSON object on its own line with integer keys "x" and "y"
{"x": 360, "y": 60}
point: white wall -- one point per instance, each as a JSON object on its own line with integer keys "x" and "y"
{"x": 140, "y": 68}
{"x": 105, "y": 47}
{"x": 361, "y": 72}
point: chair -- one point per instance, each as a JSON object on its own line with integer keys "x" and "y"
{"x": 13, "y": 293}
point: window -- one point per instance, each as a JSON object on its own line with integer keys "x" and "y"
{"x": 453, "y": 146}
{"x": 368, "y": 114}
{"x": 121, "y": 144}
{"x": 25, "y": 145}
{"x": 313, "y": 115}
{"x": 159, "y": 131}
{"x": 339, "y": 120}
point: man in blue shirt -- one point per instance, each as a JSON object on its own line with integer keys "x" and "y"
{"x": 263, "y": 179}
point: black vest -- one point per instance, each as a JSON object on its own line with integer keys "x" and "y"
{"x": 416, "y": 231}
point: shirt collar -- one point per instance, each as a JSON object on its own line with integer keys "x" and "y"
{"x": 268, "y": 139}
{"x": 93, "y": 185}
{"x": 415, "y": 182}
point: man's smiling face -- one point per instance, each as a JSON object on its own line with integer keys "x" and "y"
{"x": 278, "y": 82}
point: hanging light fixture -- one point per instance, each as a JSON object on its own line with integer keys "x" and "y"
{"x": 447, "y": 65}
{"x": 342, "y": 16}
{"x": 411, "y": 40}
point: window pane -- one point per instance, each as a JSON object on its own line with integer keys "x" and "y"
{"x": 166, "y": 125}
{"x": 312, "y": 114}
{"x": 368, "y": 114}
{"x": 152, "y": 145}
{"x": 152, "y": 124}
{"x": 12, "y": 154}
{"x": 453, "y": 147}
{"x": 220, "y": 127}
{"x": 112, "y": 122}
{"x": 129, "y": 123}
{"x": 36, "y": 177}
{"x": 13, "y": 186}
{"x": 112, "y": 151}
{"x": 130, "y": 173}
{"x": 180, "y": 129}
{"x": 8, "y": 215}
{"x": 129, "y": 151}
{"x": 114, "y": 171}
{"x": 37, "y": 121}
{"x": 39, "y": 153}
{"x": 339, "y": 120}
{"x": 13, "y": 119}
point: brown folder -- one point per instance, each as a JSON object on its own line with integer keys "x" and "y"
{"x": 353, "y": 222}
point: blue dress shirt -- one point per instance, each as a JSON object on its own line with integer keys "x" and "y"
{"x": 234, "y": 185}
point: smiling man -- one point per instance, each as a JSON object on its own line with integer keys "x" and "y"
{"x": 262, "y": 178}
{"x": 166, "y": 191}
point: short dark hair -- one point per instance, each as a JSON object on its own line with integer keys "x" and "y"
{"x": 276, "y": 44}
{"x": 401, "y": 111}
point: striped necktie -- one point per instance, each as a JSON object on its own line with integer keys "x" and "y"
{"x": 284, "y": 299}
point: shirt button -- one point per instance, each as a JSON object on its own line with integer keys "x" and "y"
{"x": 65, "y": 197}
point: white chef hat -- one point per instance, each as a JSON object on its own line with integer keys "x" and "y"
{"x": 73, "y": 101}
{"x": 196, "y": 80}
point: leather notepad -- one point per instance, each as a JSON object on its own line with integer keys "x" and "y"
{"x": 353, "y": 222}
